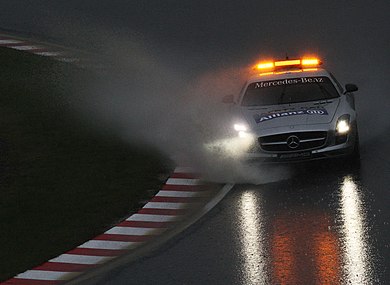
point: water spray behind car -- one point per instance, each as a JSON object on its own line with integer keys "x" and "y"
{"x": 148, "y": 102}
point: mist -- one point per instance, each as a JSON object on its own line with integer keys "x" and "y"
{"x": 147, "y": 102}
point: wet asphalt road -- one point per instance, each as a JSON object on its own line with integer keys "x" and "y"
{"x": 327, "y": 224}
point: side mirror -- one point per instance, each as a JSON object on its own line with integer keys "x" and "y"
{"x": 228, "y": 99}
{"x": 350, "y": 88}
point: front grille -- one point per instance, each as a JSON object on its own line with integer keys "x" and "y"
{"x": 298, "y": 141}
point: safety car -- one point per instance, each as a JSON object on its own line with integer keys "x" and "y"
{"x": 293, "y": 110}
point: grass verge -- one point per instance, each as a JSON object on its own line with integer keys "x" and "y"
{"x": 61, "y": 181}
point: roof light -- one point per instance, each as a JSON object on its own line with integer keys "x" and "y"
{"x": 311, "y": 61}
{"x": 287, "y": 62}
{"x": 266, "y": 73}
{"x": 288, "y": 71}
{"x": 310, "y": 69}
{"x": 265, "y": 65}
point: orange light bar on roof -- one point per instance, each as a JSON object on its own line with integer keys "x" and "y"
{"x": 310, "y": 61}
{"x": 310, "y": 69}
{"x": 265, "y": 65}
{"x": 287, "y": 62}
{"x": 266, "y": 73}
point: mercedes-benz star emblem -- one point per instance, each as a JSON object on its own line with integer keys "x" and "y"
{"x": 293, "y": 142}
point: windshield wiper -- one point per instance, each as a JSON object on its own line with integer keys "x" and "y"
{"x": 322, "y": 102}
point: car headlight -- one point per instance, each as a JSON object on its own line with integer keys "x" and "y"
{"x": 343, "y": 125}
{"x": 242, "y": 130}
{"x": 240, "y": 127}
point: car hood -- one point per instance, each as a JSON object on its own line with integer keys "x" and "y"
{"x": 307, "y": 113}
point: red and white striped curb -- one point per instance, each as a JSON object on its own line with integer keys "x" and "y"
{"x": 182, "y": 191}
{"x": 47, "y": 50}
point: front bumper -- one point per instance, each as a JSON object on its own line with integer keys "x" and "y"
{"x": 324, "y": 153}
{"x": 331, "y": 149}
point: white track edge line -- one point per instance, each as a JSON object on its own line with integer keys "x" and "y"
{"x": 183, "y": 181}
{"x": 134, "y": 231}
{"x": 182, "y": 194}
{"x": 164, "y": 205}
{"x": 152, "y": 218}
{"x": 45, "y": 275}
{"x": 81, "y": 259}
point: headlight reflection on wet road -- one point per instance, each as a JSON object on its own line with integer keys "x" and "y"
{"x": 356, "y": 252}
{"x": 252, "y": 239}
{"x": 303, "y": 245}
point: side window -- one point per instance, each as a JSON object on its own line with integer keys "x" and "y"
{"x": 338, "y": 84}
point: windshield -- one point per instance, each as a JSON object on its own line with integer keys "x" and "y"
{"x": 286, "y": 91}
